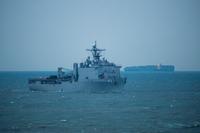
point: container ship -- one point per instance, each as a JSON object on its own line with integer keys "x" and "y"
{"x": 150, "y": 68}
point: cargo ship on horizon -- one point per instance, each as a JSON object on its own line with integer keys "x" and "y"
{"x": 150, "y": 68}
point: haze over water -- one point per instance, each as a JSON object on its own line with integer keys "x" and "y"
{"x": 46, "y": 34}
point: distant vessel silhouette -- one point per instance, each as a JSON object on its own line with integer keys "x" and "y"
{"x": 150, "y": 68}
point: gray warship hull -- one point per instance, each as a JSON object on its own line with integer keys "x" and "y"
{"x": 95, "y": 73}
{"x": 76, "y": 86}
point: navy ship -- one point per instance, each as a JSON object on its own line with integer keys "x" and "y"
{"x": 150, "y": 68}
{"x": 93, "y": 71}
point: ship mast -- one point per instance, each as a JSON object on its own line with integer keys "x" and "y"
{"x": 96, "y": 52}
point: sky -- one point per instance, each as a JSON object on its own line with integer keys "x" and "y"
{"x": 45, "y": 34}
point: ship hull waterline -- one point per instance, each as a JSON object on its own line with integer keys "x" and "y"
{"x": 75, "y": 86}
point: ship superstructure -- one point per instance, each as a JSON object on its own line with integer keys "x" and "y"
{"x": 95, "y": 70}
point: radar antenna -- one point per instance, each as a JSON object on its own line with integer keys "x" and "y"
{"x": 96, "y": 52}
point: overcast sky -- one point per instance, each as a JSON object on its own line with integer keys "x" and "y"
{"x": 45, "y": 34}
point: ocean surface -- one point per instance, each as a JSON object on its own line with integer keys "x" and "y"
{"x": 148, "y": 103}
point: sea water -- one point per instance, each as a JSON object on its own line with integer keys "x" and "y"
{"x": 148, "y": 103}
